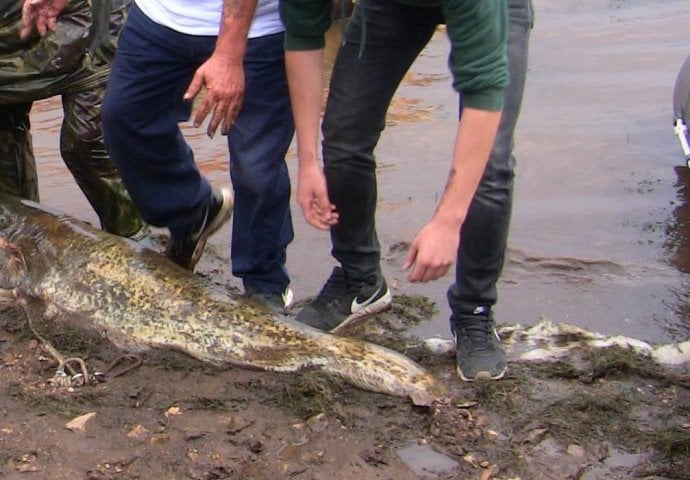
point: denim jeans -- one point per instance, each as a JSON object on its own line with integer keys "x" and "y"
{"x": 367, "y": 71}
{"x": 258, "y": 142}
{"x": 484, "y": 234}
{"x": 365, "y": 78}
{"x": 141, "y": 111}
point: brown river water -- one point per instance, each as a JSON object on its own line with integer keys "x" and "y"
{"x": 601, "y": 224}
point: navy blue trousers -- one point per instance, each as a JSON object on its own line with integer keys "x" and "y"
{"x": 258, "y": 142}
{"x": 141, "y": 112}
{"x": 353, "y": 122}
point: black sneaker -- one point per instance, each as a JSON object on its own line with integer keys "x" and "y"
{"x": 187, "y": 251}
{"x": 479, "y": 353}
{"x": 277, "y": 302}
{"x": 341, "y": 301}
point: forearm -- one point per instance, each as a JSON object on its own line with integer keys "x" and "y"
{"x": 305, "y": 79}
{"x": 473, "y": 144}
{"x": 234, "y": 27}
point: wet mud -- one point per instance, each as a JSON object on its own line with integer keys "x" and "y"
{"x": 595, "y": 414}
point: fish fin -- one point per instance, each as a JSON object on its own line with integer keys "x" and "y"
{"x": 12, "y": 265}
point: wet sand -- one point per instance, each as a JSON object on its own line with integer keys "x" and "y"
{"x": 597, "y": 237}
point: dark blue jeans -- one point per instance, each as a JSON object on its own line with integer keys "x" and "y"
{"x": 141, "y": 113}
{"x": 364, "y": 81}
{"x": 258, "y": 142}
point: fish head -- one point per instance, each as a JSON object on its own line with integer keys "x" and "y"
{"x": 12, "y": 269}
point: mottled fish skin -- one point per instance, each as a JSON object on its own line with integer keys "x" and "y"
{"x": 140, "y": 300}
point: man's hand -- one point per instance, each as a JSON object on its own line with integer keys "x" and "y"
{"x": 433, "y": 251}
{"x": 312, "y": 197}
{"x": 43, "y": 14}
{"x": 223, "y": 73}
{"x": 224, "y": 83}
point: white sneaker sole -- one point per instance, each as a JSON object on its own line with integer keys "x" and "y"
{"x": 223, "y": 216}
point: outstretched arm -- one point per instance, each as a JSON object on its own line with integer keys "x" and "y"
{"x": 41, "y": 13}
{"x": 480, "y": 74}
{"x": 305, "y": 77}
{"x": 306, "y": 23}
{"x": 434, "y": 249}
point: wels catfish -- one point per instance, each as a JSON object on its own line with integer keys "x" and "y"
{"x": 60, "y": 269}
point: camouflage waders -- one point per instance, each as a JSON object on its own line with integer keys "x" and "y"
{"x": 73, "y": 62}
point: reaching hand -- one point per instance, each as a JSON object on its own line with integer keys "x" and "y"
{"x": 43, "y": 14}
{"x": 433, "y": 251}
{"x": 224, "y": 83}
{"x": 312, "y": 197}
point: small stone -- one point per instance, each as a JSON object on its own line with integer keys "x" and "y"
{"x": 159, "y": 438}
{"x": 173, "y": 411}
{"x": 425, "y": 462}
{"x": 138, "y": 433}
{"x": 576, "y": 451}
{"x": 317, "y": 423}
{"x": 79, "y": 423}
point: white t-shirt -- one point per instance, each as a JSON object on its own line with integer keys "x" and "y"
{"x": 202, "y": 17}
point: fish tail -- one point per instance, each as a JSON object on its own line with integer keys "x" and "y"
{"x": 376, "y": 368}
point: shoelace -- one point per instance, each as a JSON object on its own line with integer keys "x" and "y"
{"x": 478, "y": 336}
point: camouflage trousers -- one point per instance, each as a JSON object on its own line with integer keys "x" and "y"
{"x": 30, "y": 72}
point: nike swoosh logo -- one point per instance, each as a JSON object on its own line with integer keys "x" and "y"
{"x": 356, "y": 306}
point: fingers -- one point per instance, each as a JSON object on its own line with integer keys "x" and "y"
{"x": 319, "y": 216}
{"x": 426, "y": 274}
{"x": 194, "y": 87}
{"x": 28, "y": 18}
{"x": 422, "y": 271}
{"x": 411, "y": 255}
{"x": 41, "y": 26}
{"x": 52, "y": 24}
{"x": 25, "y": 31}
{"x": 223, "y": 112}
{"x": 216, "y": 118}
{"x": 230, "y": 116}
{"x": 41, "y": 13}
{"x": 223, "y": 115}
{"x": 227, "y": 114}
{"x": 318, "y": 211}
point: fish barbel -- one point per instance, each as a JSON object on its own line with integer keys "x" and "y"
{"x": 138, "y": 300}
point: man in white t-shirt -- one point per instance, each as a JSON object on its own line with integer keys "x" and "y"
{"x": 168, "y": 50}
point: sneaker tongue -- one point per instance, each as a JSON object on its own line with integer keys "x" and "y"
{"x": 479, "y": 335}
{"x": 478, "y": 330}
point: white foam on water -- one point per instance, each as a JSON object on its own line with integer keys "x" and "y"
{"x": 547, "y": 341}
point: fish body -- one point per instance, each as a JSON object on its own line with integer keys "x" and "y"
{"x": 63, "y": 268}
